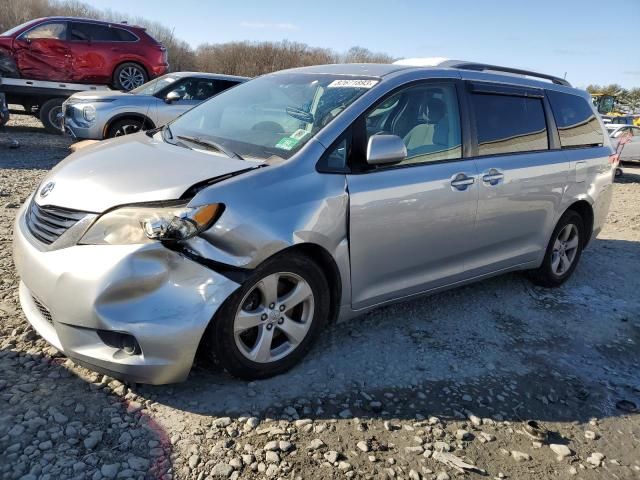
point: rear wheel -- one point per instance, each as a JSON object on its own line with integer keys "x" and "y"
{"x": 125, "y": 126}
{"x": 563, "y": 252}
{"x": 270, "y": 323}
{"x": 129, "y": 75}
{"x": 50, "y": 114}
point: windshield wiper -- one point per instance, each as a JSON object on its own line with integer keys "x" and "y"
{"x": 210, "y": 144}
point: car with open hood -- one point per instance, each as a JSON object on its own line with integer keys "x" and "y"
{"x": 303, "y": 197}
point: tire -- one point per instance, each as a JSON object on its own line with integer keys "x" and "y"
{"x": 238, "y": 353}
{"x": 554, "y": 271}
{"x": 126, "y": 126}
{"x": 49, "y": 113}
{"x": 129, "y": 76}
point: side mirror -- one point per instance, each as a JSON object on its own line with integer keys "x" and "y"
{"x": 385, "y": 150}
{"x": 172, "y": 97}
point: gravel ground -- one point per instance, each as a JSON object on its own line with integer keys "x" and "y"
{"x": 406, "y": 391}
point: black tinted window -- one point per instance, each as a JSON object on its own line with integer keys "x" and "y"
{"x": 222, "y": 85}
{"x": 576, "y": 121}
{"x": 124, "y": 35}
{"x": 507, "y": 124}
{"x": 99, "y": 33}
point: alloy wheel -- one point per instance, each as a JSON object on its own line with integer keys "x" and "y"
{"x": 274, "y": 317}
{"x": 55, "y": 117}
{"x": 131, "y": 77}
{"x": 565, "y": 249}
{"x": 127, "y": 129}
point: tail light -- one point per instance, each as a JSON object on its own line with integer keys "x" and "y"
{"x": 614, "y": 159}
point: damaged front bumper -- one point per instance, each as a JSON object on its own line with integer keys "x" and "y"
{"x": 136, "y": 312}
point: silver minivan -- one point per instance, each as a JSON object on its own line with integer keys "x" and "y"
{"x": 303, "y": 197}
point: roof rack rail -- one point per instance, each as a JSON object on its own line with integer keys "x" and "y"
{"x": 481, "y": 67}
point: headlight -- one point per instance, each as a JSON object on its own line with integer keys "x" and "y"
{"x": 143, "y": 224}
{"x": 89, "y": 113}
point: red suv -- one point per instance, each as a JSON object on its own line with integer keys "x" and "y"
{"x": 68, "y": 49}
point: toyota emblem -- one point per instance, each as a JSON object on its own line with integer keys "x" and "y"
{"x": 47, "y": 189}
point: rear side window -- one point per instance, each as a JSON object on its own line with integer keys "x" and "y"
{"x": 99, "y": 33}
{"x": 509, "y": 124}
{"x": 576, "y": 120}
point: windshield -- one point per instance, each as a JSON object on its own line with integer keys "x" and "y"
{"x": 274, "y": 115}
{"x": 155, "y": 85}
{"x": 13, "y": 30}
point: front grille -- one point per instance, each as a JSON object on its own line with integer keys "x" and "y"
{"x": 48, "y": 223}
{"x": 44, "y": 311}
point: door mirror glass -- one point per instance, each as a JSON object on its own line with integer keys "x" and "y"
{"x": 385, "y": 150}
{"x": 172, "y": 96}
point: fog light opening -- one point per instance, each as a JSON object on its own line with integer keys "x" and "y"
{"x": 122, "y": 341}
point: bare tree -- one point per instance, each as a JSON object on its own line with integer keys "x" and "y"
{"x": 363, "y": 55}
{"x": 239, "y": 58}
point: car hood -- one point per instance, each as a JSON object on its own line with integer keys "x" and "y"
{"x": 132, "y": 169}
{"x": 93, "y": 95}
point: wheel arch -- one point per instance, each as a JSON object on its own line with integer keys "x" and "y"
{"x": 585, "y": 210}
{"x": 329, "y": 267}
{"x": 147, "y": 122}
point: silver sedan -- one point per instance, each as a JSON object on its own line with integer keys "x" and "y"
{"x": 105, "y": 114}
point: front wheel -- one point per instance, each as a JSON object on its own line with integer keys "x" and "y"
{"x": 267, "y": 325}
{"x": 123, "y": 127}
{"x": 563, "y": 252}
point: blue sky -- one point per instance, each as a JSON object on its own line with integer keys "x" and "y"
{"x": 592, "y": 41}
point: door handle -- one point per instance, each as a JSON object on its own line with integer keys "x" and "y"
{"x": 493, "y": 177}
{"x": 461, "y": 181}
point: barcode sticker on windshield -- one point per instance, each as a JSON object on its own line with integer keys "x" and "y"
{"x": 352, "y": 84}
{"x": 299, "y": 134}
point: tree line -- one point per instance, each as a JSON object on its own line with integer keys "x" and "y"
{"x": 232, "y": 58}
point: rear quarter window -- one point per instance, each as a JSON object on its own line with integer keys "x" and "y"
{"x": 124, "y": 35}
{"x": 577, "y": 123}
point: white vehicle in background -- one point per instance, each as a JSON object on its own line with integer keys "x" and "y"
{"x": 631, "y": 149}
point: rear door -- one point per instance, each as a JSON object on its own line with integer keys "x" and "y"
{"x": 521, "y": 179}
{"x": 93, "y": 47}
{"x": 42, "y": 53}
{"x": 411, "y": 224}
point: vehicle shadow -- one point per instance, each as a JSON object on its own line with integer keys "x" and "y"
{"x": 631, "y": 173}
{"x": 501, "y": 348}
{"x": 46, "y": 410}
